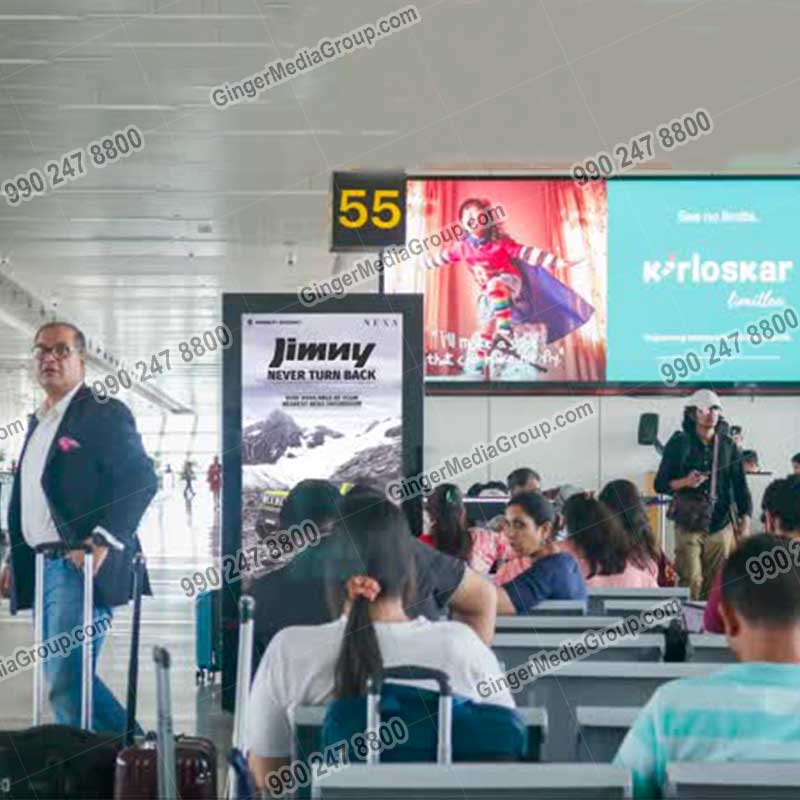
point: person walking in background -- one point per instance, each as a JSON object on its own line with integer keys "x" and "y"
{"x": 214, "y": 478}
{"x": 159, "y": 474}
{"x": 449, "y": 532}
{"x": 187, "y": 476}
{"x": 704, "y": 532}
{"x": 83, "y": 479}
{"x": 796, "y": 463}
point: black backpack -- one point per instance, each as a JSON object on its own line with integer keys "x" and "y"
{"x": 677, "y": 645}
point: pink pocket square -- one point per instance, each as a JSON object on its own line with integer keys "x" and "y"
{"x": 67, "y": 443}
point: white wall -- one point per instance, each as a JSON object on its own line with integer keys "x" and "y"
{"x": 603, "y": 447}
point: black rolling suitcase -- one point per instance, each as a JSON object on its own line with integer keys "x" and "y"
{"x": 59, "y": 761}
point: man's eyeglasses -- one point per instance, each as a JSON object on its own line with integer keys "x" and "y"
{"x": 60, "y": 351}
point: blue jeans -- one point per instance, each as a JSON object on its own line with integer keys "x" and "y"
{"x": 63, "y": 612}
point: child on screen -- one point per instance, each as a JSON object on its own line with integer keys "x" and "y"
{"x": 514, "y": 279}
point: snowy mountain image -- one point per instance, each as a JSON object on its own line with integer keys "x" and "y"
{"x": 266, "y": 442}
{"x": 277, "y": 452}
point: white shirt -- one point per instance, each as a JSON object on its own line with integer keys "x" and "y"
{"x": 298, "y": 669}
{"x": 38, "y": 526}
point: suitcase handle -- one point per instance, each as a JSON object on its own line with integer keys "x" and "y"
{"x": 444, "y": 747}
{"x": 87, "y": 684}
{"x": 165, "y": 749}
{"x": 408, "y": 673}
{"x": 133, "y": 663}
{"x": 244, "y": 661}
{"x": 247, "y": 609}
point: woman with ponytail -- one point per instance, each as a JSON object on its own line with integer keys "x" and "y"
{"x": 450, "y": 534}
{"x": 370, "y": 576}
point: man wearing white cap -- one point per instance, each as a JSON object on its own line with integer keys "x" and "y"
{"x": 701, "y": 506}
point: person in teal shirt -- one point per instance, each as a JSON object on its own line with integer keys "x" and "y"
{"x": 746, "y": 712}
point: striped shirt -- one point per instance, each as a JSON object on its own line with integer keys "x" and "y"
{"x": 745, "y": 712}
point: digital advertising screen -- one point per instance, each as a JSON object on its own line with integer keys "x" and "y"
{"x": 703, "y": 283}
{"x": 633, "y": 283}
{"x": 321, "y": 397}
{"x": 330, "y": 392}
{"x": 514, "y": 278}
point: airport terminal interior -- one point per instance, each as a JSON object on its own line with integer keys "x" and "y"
{"x": 492, "y": 303}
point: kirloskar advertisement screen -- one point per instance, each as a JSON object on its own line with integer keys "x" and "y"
{"x": 321, "y": 398}
{"x": 635, "y": 283}
{"x": 703, "y": 282}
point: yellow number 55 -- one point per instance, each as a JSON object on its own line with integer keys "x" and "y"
{"x": 380, "y": 204}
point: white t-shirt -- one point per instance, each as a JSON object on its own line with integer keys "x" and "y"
{"x": 297, "y": 669}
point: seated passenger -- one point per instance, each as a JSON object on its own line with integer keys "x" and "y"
{"x": 750, "y": 462}
{"x": 523, "y": 481}
{"x": 552, "y": 575}
{"x": 746, "y": 712}
{"x": 450, "y": 534}
{"x": 623, "y": 500}
{"x": 557, "y": 496}
{"x": 295, "y": 594}
{"x": 311, "y": 500}
{"x": 369, "y": 572}
{"x": 604, "y": 550}
{"x": 781, "y": 514}
{"x": 488, "y": 489}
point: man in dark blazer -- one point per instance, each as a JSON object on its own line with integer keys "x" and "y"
{"x": 83, "y": 477}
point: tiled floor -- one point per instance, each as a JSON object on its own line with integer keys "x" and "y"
{"x": 177, "y": 540}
